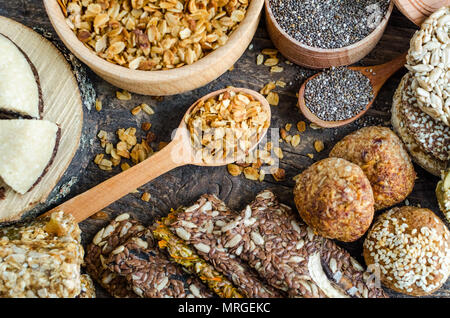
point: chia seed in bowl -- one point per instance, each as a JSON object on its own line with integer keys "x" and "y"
{"x": 329, "y": 24}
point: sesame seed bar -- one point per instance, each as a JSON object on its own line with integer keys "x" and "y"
{"x": 200, "y": 226}
{"x": 186, "y": 256}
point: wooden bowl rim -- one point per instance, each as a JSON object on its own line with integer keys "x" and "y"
{"x": 89, "y": 57}
{"x": 344, "y": 49}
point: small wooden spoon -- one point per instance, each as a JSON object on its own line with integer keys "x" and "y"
{"x": 418, "y": 10}
{"x": 177, "y": 153}
{"x": 378, "y": 75}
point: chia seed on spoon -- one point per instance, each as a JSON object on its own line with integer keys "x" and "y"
{"x": 338, "y": 94}
{"x": 329, "y": 24}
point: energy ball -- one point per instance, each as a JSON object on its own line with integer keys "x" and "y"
{"x": 335, "y": 198}
{"x": 385, "y": 161}
{"x": 409, "y": 248}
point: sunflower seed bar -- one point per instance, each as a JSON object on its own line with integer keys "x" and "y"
{"x": 186, "y": 256}
{"x": 200, "y": 226}
{"x": 87, "y": 287}
{"x": 150, "y": 273}
{"x": 104, "y": 242}
{"x": 288, "y": 254}
{"x": 41, "y": 258}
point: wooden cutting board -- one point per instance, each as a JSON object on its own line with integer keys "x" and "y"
{"x": 62, "y": 105}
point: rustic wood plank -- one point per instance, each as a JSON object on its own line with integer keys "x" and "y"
{"x": 184, "y": 185}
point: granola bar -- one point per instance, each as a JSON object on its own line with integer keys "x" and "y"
{"x": 200, "y": 226}
{"x": 39, "y": 269}
{"x": 87, "y": 287}
{"x": 41, "y": 258}
{"x": 184, "y": 255}
{"x": 150, "y": 273}
{"x": 289, "y": 255}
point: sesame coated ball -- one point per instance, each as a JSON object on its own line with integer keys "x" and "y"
{"x": 335, "y": 198}
{"x": 409, "y": 248}
{"x": 385, "y": 161}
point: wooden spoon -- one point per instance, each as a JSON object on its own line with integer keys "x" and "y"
{"x": 177, "y": 153}
{"x": 418, "y": 10}
{"x": 378, "y": 75}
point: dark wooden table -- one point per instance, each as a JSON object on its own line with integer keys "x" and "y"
{"x": 185, "y": 184}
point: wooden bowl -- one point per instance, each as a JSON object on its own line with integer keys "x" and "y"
{"x": 159, "y": 83}
{"x": 318, "y": 58}
{"x": 419, "y": 10}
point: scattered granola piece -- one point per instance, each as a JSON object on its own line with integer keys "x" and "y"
{"x": 98, "y": 158}
{"x": 273, "y": 99}
{"x": 98, "y": 105}
{"x": 280, "y": 84}
{"x": 234, "y": 169}
{"x": 278, "y": 174}
{"x": 310, "y": 155}
{"x": 267, "y": 88}
{"x": 261, "y": 176}
{"x": 259, "y": 59}
{"x": 276, "y": 69}
{"x": 269, "y": 52}
{"x": 318, "y": 145}
{"x": 301, "y": 126}
{"x": 145, "y": 197}
{"x": 278, "y": 152}
{"x": 150, "y": 137}
{"x": 146, "y": 126}
{"x": 123, "y": 95}
{"x": 295, "y": 141}
{"x": 251, "y": 173}
{"x": 315, "y": 126}
{"x": 147, "y": 109}
{"x": 283, "y": 133}
{"x": 124, "y": 166}
{"x": 271, "y": 61}
{"x": 136, "y": 110}
{"x": 288, "y": 127}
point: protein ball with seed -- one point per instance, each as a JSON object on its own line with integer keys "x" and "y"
{"x": 409, "y": 247}
{"x": 385, "y": 161}
{"x": 335, "y": 198}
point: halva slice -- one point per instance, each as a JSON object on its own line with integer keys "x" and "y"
{"x": 20, "y": 92}
{"x": 27, "y": 147}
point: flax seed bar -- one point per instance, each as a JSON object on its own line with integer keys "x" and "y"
{"x": 200, "y": 226}
{"x": 289, "y": 255}
{"x": 104, "y": 242}
{"x": 41, "y": 258}
{"x": 186, "y": 256}
{"x": 150, "y": 273}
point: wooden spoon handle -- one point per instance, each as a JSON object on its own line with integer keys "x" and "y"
{"x": 86, "y": 204}
{"x": 379, "y": 74}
